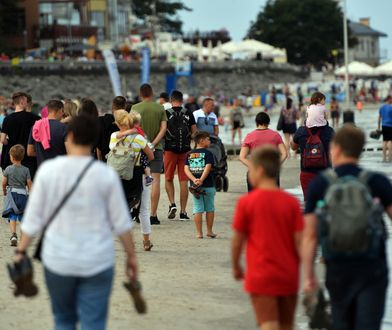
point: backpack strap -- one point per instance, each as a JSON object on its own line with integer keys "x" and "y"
{"x": 365, "y": 176}
{"x": 330, "y": 176}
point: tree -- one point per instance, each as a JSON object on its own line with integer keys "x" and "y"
{"x": 308, "y": 29}
{"x": 165, "y": 11}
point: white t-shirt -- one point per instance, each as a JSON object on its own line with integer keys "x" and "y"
{"x": 167, "y": 105}
{"x": 79, "y": 241}
{"x": 205, "y": 123}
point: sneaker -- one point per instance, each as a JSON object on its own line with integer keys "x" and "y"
{"x": 172, "y": 211}
{"x": 184, "y": 216}
{"x": 14, "y": 240}
{"x": 136, "y": 219}
{"x": 154, "y": 220}
{"x": 149, "y": 180}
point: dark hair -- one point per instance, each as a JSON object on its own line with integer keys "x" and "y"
{"x": 351, "y": 140}
{"x": 17, "y": 97}
{"x": 289, "y": 103}
{"x": 29, "y": 98}
{"x": 262, "y": 119}
{"x": 55, "y": 105}
{"x": 165, "y": 96}
{"x": 200, "y": 136}
{"x": 146, "y": 90}
{"x": 119, "y": 103}
{"x": 176, "y": 96}
{"x": 317, "y": 97}
{"x": 84, "y": 129}
{"x": 269, "y": 159}
{"x": 207, "y": 99}
{"x": 88, "y": 107}
{"x": 17, "y": 152}
{"x": 128, "y": 106}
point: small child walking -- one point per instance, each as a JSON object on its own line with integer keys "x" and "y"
{"x": 269, "y": 221}
{"x": 15, "y": 179}
{"x": 198, "y": 168}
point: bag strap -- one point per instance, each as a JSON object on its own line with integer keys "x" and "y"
{"x": 67, "y": 196}
{"x": 365, "y": 176}
{"x": 330, "y": 175}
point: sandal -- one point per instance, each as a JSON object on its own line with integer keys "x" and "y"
{"x": 147, "y": 245}
{"x": 199, "y": 236}
{"x": 212, "y": 235}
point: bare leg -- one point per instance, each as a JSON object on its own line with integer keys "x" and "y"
{"x": 183, "y": 195}
{"x": 155, "y": 193}
{"x": 270, "y": 325}
{"x": 233, "y": 136}
{"x": 210, "y": 222}
{"x": 287, "y": 143}
{"x": 240, "y": 135}
{"x": 198, "y": 218}
{"x": 384, "y": 151}
{"x": 169, "y": 185}
{"x": 390, "y": 151}
{"x": 147, "y": 171}
{"x": 13, "y": 227}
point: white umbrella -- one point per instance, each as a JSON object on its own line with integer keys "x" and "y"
{"x": 200, "y": 51}
{"x": 255, "y": 46}
{"x": 356, "y": 69}
{"x": 230, "y": 47}
{"x": 384, "y": 69}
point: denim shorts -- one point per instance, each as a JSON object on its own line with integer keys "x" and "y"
{"x": 15, "y": 217}
{"x": 206, "y": 203}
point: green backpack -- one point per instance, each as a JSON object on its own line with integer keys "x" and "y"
{"x": 350, "y": 222}
{"x": 122, "y": 159}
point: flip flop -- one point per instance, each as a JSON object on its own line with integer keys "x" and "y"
{"x": 212, "y": 236}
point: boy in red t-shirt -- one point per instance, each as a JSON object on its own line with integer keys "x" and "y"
{"x": 270, "y": 222}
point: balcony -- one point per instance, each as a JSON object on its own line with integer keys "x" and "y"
{"x": 63, "y": 32}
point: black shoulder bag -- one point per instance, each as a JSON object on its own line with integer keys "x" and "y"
{"x": 37, "y": 254}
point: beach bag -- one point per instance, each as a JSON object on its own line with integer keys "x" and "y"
{"x": 279, "y": 126}
{"x": 350, "y": 219}
{"x": 122, "y": 159}
{"x": 178, "y": 134}
{"x": 314, "y": 155}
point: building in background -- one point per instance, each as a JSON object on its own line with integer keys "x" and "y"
{"x": 214, "y": 37}
{"x": 368, "y": 47}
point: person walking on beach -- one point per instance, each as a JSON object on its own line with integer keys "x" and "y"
{"x": 205, "y": 118}
{"x": 16, "y": 130}
{"x": 198, "y": 168}
{"x": 343, "y": 214}
{"x": 385, "y": 125}
{"x": 313, "y": 140}
{"x": 154, "y": 124}
{"x": 289, "y": 125}
{"x": 261, "y": 136}
{"x": 270, "y": 223}
{"x": 78, "y": 249}
{"x": 180, "y": 128}
{"x": 236, "y": 121}
{"x": 47, "y": 137}
{"x": 16, "y": 178}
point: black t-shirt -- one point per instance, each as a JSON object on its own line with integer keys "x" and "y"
{"x": 107, "y": 127}
{"x": 302, "y": 135}
{"x": 58, "y": 133}
{"x": 197, "y": 160}
{"x": 192, "y": 106}
{"x": 190, "y": 119}
{"x": 17, "y": 126}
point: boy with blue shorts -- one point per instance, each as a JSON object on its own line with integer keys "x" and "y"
{"x": 198, "y": 168}
{"x": 15, "y": 179}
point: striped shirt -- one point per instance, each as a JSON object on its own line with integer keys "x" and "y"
{"x": 134, "y": 142}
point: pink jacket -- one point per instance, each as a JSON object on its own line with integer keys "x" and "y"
{"x": 41, "y": 132}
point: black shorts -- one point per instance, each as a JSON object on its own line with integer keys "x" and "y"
{"x": 289, "y": 128}
{"x": 236, "y": 124}
{"x": 335, "y": 114}
{"x": 387, "y": 133}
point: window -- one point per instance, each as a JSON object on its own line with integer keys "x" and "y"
{"x": 122, "y": 23}
{"x": 97, "y": 18}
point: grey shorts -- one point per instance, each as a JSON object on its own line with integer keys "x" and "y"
{"x": 156, "y": 164}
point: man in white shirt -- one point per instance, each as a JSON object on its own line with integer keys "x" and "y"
{"x": 164, "y": 101}
{"x": 205, "y": 118}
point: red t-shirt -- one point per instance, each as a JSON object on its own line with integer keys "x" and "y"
{"x": 260, "y": 137}
{"x": 269, "y": 219}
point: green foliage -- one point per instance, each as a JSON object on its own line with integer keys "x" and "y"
{"x": 166, "y": 12}
{"x": 308, "y": 29}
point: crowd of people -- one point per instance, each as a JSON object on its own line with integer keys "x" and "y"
{"x": 83, "y": 166}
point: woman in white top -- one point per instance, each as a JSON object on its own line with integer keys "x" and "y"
{"x": 78, "y": 248}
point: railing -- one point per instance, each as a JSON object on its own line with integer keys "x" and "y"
{"x": 63, "y": 31}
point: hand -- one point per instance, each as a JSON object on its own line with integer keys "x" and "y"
{"x": 196, "y": 182}
{"x": 238, "y": 273}
{"x": 19, "y": 257}
{"x": 310, "y": 284}
{"x": 131, "y": 269}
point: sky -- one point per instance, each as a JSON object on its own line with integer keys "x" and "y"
{"x": 236, "y": 15}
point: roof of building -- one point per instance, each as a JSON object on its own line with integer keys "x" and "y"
{"x": 359, "y": 29}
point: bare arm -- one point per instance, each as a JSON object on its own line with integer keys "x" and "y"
{"x": 243, "y": 156}
{"x": 283, "y": 152}
{"x": 389, "y": 211}
{"x": 3, "y": 139}
{"x": 5, "y": 183}
{"x": 161, "y": 134}
{"x": 99, "y": 154}
{"x": 294, "y": 146}
{"x": 24, "y": 243}
{"x": 379, "y": 122}
{"x": 206, "y": 171}
{"x": 121, "y": 135}
{"x": 31, "y": 150}
{"x": 189, "y": 174}
{"x": 131, "y": 268}
{"x": 149, "y": 153}
{"x": 193, "y": 129}
{"x": 308, "y": 253}
{"x": 237, "y": 245}
{"x": 216, "y": 130}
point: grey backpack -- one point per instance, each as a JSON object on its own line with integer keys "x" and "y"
{"x": 350, "y": 219}
{"x": 122, "y": 159}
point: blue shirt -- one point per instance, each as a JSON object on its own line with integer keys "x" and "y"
{"x": 386, "y": 115}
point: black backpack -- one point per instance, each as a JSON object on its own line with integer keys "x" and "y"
{"x": 178, "y": 134}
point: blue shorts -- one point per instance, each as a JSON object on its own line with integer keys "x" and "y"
{"x": 15, "y": 217}
{"x": 206, "y": 203}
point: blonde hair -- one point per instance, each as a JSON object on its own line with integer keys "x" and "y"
{"x": 70, "y": 109}
{"x": 135, "y": 117}
{"x": 123, "y": 119}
